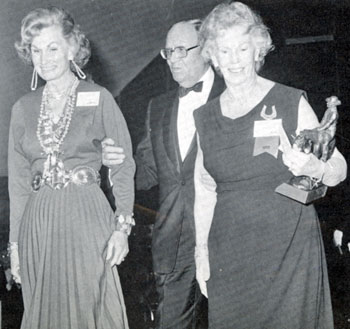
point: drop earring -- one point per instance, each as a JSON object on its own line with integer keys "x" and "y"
{"x": 79, "y": 71}
{"x": 34, "y": 83}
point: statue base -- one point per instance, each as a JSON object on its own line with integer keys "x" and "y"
{"x": 299, "y": 195}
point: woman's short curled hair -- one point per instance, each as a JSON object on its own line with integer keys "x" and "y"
{"x": 227, "y": 15}
{"x": 41, "y": 18}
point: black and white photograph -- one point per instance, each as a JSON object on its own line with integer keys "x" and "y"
{"x": 174, "y": 164}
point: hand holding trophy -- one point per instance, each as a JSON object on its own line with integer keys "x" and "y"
{"x": 320, "y": 142}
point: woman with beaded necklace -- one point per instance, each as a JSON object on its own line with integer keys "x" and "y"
{"x": 65, "y": 239}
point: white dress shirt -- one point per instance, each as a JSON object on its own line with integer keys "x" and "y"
{"x": 187, "y": 104}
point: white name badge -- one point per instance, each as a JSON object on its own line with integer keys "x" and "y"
{"x": 89, "y": 98}
{"x": 267, "y": 128}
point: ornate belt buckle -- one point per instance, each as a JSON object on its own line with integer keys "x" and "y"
{"x": 82, "y": 175}
{"x": 57, "y": 180}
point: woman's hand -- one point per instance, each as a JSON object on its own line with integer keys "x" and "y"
{"x": 117, "y": 248}
{"x": 202, "y": 268}
{"x": 302, "y": 164}
{"x": 111, "y": 155}
{"x": 14, "y": 259}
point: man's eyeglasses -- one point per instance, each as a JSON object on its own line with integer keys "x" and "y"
{"x": 179, "y": 52}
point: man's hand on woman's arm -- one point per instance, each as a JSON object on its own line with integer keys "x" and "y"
{"x": 111, "y": 155}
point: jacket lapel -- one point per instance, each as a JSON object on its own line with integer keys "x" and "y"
{"x": 216, "y": 90}
{"x": 170, "y": 129}
{"x": 192, "y": 145}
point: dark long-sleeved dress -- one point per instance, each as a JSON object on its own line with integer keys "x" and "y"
{"x": 62, "y": 234}
{"x": 267, "y": 261}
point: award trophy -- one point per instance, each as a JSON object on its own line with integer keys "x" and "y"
{"x": 321, "y": 142}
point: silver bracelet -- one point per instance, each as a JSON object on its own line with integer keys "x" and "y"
{"x": 125, "y": 224}
{"x": 11, "y": 246}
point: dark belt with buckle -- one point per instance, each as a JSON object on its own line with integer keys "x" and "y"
{"x": 80, "y": 175}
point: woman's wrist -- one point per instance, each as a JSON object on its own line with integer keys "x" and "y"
{"x": 125, "y": 223}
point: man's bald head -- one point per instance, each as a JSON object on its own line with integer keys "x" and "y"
{"x": 187, "y": 70}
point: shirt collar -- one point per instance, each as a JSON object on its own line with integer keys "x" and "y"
{"x": 207, "y": 77}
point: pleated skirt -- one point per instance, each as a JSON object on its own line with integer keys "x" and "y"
{"x": 66, "y": 281}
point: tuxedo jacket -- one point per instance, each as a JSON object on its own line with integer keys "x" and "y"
{"x": 159, "y": 162}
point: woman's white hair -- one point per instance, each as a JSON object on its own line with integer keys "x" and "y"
{"x": 228, "y": 15}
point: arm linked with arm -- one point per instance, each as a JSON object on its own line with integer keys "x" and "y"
{"x": 146, "y": 173}
{"x": 122, "y": 177}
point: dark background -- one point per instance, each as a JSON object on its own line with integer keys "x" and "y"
{"x": 312, "y": 53}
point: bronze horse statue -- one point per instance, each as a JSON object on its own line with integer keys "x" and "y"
{"x": 320, "y": 141}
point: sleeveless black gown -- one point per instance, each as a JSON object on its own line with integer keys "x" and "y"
{"x": 267, "y": 261}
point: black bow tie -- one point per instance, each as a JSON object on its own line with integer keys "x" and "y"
{"x": 196, "y": 88}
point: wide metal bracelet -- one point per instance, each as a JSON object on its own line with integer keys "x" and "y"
{"x": 11, "y": 246}
{"x": 125, "y": 224}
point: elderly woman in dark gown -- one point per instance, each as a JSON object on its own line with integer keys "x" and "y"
{"x": 267, "y": 262}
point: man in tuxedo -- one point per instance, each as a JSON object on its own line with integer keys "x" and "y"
{"x": 166, "y": 157}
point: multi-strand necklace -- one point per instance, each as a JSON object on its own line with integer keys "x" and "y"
{"x": 51, "y": 135}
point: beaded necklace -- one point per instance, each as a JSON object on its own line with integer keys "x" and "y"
{"x": 51, "y": 136}
{"x": 56, "y": 95}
